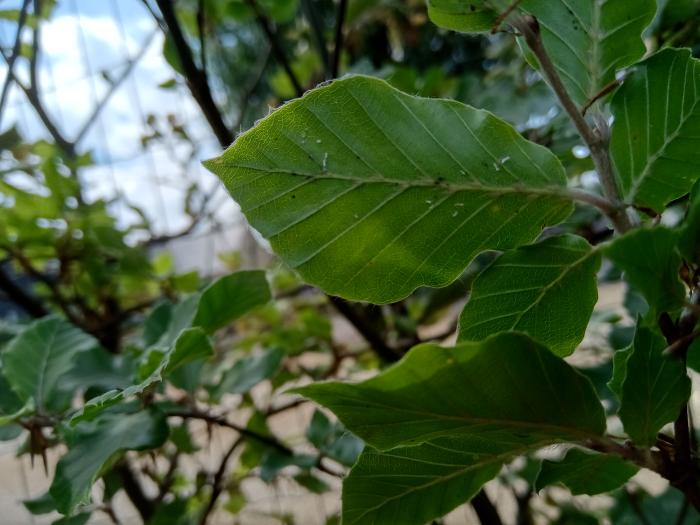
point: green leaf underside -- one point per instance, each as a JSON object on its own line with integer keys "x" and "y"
{"x": 229, "y": 297}
{"x": 36, "y": 359}
{"x": 654, "y": 388}
{"x": 480, "y": 403}
{"x": 651, "y": 252}
{"x": 370, "y": 193}
{"x": 586, "y": 473}
{"x": 589, "y": 40}
{"x": 94, "y": 444}
{"x": 192, "y": 344}
{"x": 547, "y": 290}
{"x": 414, "y": 485}
{"x": 502, "y": 388}
{"x": 655, "y": 144}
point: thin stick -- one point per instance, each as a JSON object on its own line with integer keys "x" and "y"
{"x": 16, "y": 49}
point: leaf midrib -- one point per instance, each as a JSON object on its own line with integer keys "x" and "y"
{"x": 519, "y": 188}
{"x": 472, "y": 420}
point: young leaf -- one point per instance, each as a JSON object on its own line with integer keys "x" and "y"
{"x": 35, "y": 360}
{"x": 547, "y": 290}
{"x": 505, "y": 389}
{"x": 249, "y": 371}
{"x": 655, "y": 144}
{"x": 192, "y": 344}
{"x": 585, "y": 472}
{"x": 229, "y": 297}
{"x": 388, "y": 190}
{"x": 654, "y": 388}
{"x": 93, "y": 445}
{"x": 650, "y": 263}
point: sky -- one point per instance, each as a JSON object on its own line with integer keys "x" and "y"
{"x": 84, "y": 41}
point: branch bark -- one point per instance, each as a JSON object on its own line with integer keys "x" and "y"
{"x": 366, "y": 330}
{"x": 218, "y": 482}
{"x": 485, "y": 510}
{"x": 21, "y": 297}
{"x": 195, "y": 77}
{"x": 144, "y": 505}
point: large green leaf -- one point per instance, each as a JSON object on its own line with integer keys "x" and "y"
{"x": 506, "y": 388}
{"x": 192, "y": 344}
{"x": 229, "y": 297}
{"x": 655, "y": 144}
{"x": 651, "y": 263}
{"x": 470, "y": 409}
{"x": 654, "y": 388}
{"x": 35, "y": 360}
{"x": 93, "y": 445}
{"x": 369, "y": 193}
{"x": 547, "y": 289}
{"x": 587, "y": 40}
{"x": 585, "y": 472}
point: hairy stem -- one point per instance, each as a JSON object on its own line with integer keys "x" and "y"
{"x": 596, "y": 141}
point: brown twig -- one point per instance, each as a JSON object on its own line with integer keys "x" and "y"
{"x": 16, "y": 51}
{"x": 114, "y": 85}
{"x": 338, "y": 48}
{"x": 365, "y": 328}
{"x": 485, "y": 509}
{"x": 217, "y": 485}
{"x": 606, "y": 89}
{"x": 681, "y": 344}
{"x": 19, "y": 296}
{"x": 317, "y": 30}
{"x": 195, "y": 77}
{"x": 277, "y": 49}
{"x": 505, "y": 14}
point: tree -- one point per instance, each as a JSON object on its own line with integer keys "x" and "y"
{"x": 375, "y": 196}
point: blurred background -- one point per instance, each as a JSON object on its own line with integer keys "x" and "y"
{"x": 108, "y": 107}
